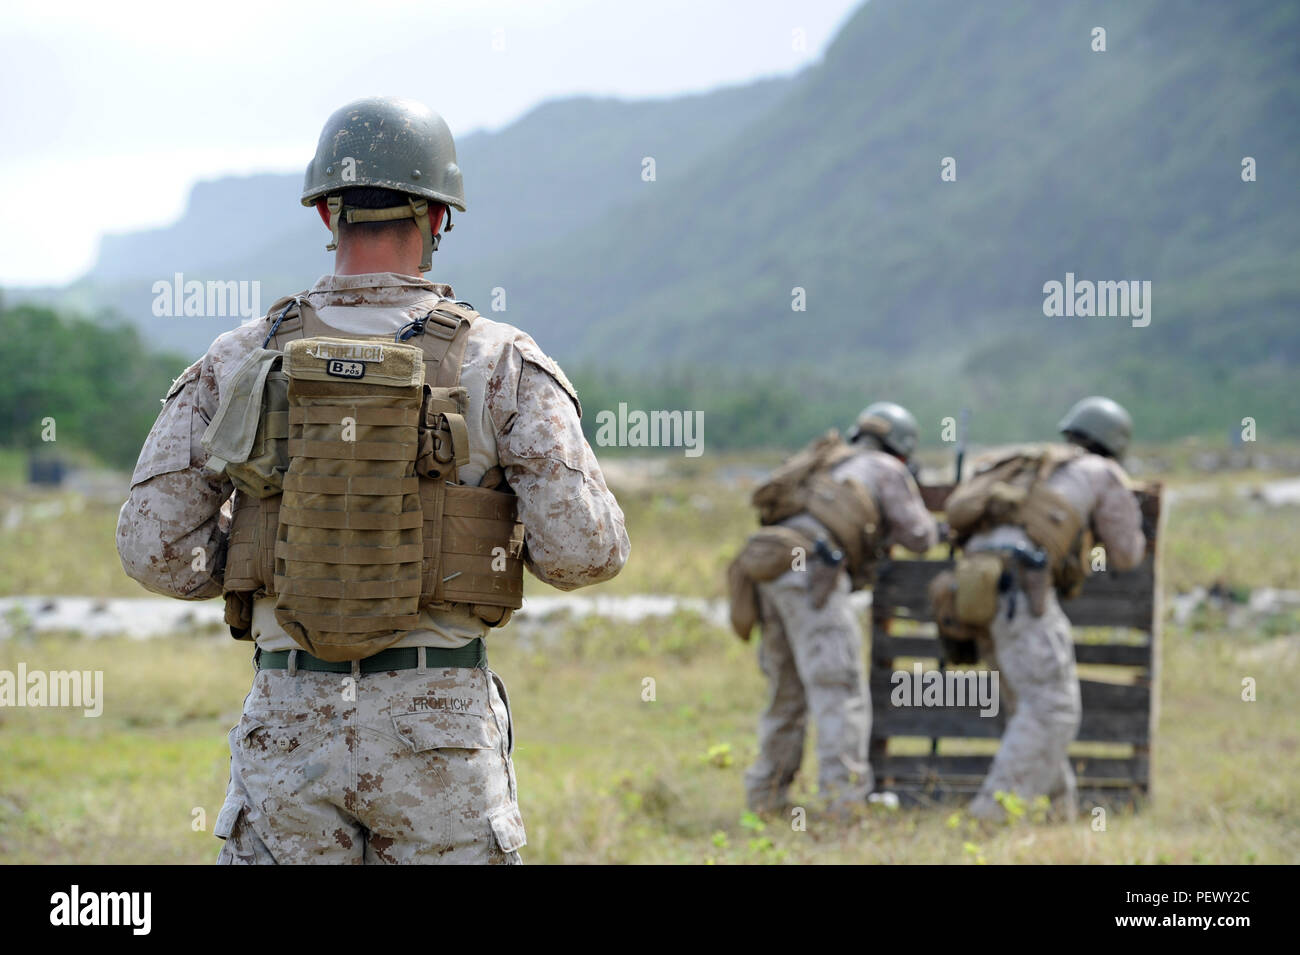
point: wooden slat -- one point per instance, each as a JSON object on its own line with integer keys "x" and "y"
{"x": 1108, "y": 599}
{"x": 1094, "y": 694}
{"x": 1112, "y": 599}
{"x": 919, "y": 769}
{"x": 1101, "y": 726}
{"x": 885, "y": 648}
{"x": 903, "y": 585}
{"x": 1118, "y": 796}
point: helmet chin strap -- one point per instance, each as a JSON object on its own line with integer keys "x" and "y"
{"x": 416, "y": 208}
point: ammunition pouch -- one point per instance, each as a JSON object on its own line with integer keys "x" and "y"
{"x": 964, "y": 600}
{"x": 767, "y": 554}
{"x": 975, "y": 597}
{"x": 943, "y": 607}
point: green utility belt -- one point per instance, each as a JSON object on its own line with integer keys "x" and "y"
{"x": 472, "y": 655}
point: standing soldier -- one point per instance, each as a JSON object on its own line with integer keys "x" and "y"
{"x": 1026, "y": 519}
{"x": 828, "y": 513}
{"x": 396, "y": 460}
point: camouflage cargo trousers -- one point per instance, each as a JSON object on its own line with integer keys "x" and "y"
{"x": 1040, "y": 692}
{"x": 812, "y": 658}
{"x": 406, "y": 766}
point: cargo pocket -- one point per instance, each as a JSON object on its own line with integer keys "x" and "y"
{"x": 240, "y": 844}
{"x": 508, "y": 827}
{"x": 230, "y": 811}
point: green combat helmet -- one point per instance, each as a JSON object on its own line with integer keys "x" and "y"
{"x": 890, "y": 424}
{"x": 386, "y": 143}
{"x": 1101, "y": 422}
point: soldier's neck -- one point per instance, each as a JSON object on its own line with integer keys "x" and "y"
{"x": 367, "y": 259}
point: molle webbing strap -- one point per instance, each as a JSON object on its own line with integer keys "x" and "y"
{"x": 354, "y": 589}
{"x": 350, "y": 520}
{"x": 356, "y": 486}
{"x": 444, "y": 338}
{"x": 331, "y": 556}
{"x": 348, "y": 564}
{"x": 448, "y": 373}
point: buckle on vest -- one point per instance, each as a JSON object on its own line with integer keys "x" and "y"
{"x": 443, "y": 451}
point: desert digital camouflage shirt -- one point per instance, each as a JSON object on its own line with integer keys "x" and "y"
{"x": 523, "y": 414}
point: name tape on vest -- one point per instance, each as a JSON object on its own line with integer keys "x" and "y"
{"x": 358, "y": 351}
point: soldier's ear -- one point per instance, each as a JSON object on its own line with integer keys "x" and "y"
{"x": 437, "y": 212}
{"x": 324, "y": 212}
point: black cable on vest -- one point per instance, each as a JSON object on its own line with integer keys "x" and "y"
{"x": 412, "y": 328}
{"x": 275, "y": 327}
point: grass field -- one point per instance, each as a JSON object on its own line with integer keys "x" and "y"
{"x": 607, "y": 777}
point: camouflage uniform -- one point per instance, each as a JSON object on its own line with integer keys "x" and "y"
{"x": 812, "y": 656}
{"x": 1035, "y": 655}
{"x": 404, "y": 766}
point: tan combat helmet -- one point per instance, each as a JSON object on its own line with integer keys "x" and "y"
{"x": 891, "y": 425}
{"x": 1099, "y": 422}
{"x": 386, "y": 143}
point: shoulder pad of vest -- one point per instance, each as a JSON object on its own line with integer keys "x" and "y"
{"x": 462, "y": 310}
{"x": 278, "y": 306}
{"x": 533, "y": 354}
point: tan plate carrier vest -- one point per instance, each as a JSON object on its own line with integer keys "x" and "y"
{"x": 356, "y": 531}
{"x": 1010, "y": 489}
{"x": 803, "y": 485}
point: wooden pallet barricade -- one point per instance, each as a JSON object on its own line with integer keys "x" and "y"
{"x": 1116, "y": 621}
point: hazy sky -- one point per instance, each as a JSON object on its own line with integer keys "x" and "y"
{"x": 111, "y": 111}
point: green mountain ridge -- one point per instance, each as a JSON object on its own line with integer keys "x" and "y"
{"x": 551, "y": 172}
{"x": 1123, "y": 164}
